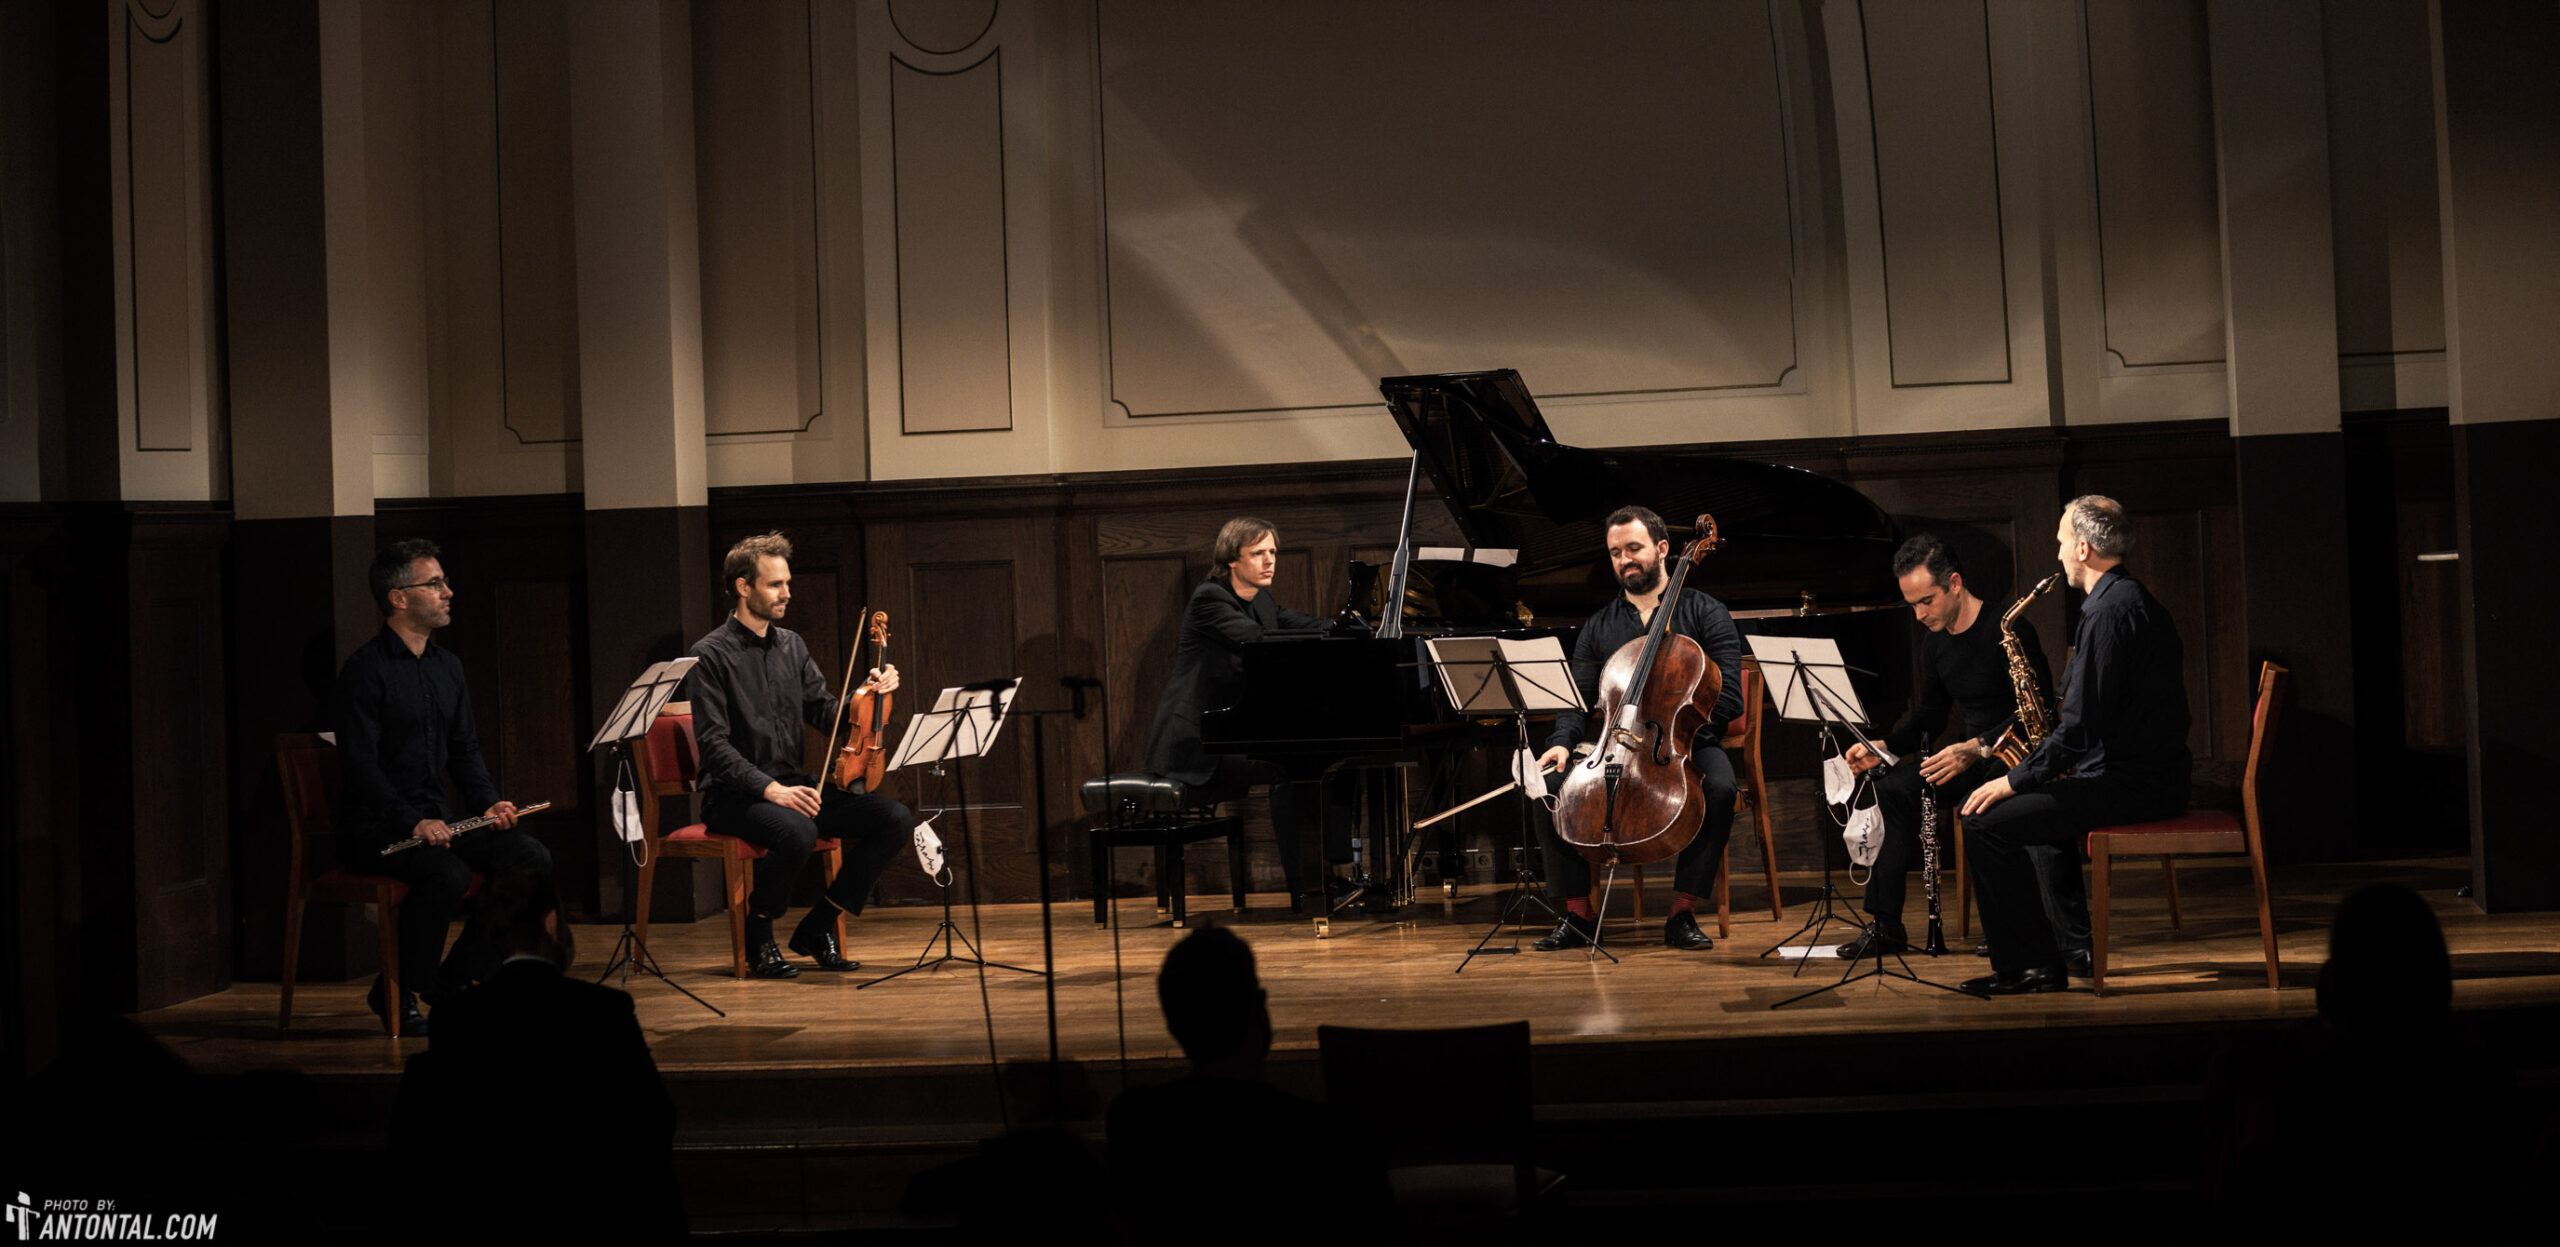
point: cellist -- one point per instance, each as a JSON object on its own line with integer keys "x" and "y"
{"x": 754, "y": 687}
{"x": 1639, "y": 552}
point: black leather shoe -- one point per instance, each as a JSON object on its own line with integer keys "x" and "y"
{"x": 1682, "y": 932}
{"x": 1875, "y": 941}
{"x": 766, "y": 963}
{"x": 1982, "y": 949}
{"x": 413, "y": 1024}
{"x": 820, "y": 946}
{"x": 2078, "y": 961}
{"x": 2023, "y": 983}
{"x": 1570, "y": 932}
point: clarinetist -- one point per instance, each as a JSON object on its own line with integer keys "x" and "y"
{"x": 1962, "y": 662}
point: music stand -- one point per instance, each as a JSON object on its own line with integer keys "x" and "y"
{"x": 630, "y": 720}
{"x": 1816, "y": 689}
{"x": 963, "y": 723}
{"x": 1498, "y": 675}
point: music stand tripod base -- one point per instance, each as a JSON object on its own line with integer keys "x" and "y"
{"x": 962, "y": 724}
{"x": 629, "y": 722}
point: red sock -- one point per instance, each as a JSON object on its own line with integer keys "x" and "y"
{"x": 1578, "y": 906}
{"x": 1684, "y": 904}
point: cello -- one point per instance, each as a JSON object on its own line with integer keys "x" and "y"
{"x": 1633, "y": 799}
{"x": 866, "y": 718}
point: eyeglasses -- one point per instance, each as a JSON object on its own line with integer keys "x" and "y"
{"x": 440, "y": 584}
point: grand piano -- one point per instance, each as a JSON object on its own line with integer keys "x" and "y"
{"x": 1800, "y": 552}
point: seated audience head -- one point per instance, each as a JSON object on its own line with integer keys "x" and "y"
{"x": 1213, "y": 1001}
{"x": 524, "y": 915}
{"x": 2388, "y": 971}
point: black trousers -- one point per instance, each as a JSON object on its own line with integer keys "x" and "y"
{"x": 873, "y": 830}
{"x": 1332, "y": 804}
{"x": 1569, "y": 873}
{"x": 437, "y": 876}
{"x": 2057, "y": 867}
{"x": 2062, "y": 814}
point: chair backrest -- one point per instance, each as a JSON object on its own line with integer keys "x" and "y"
{"x": 1744, "y": 733}
{"x": 669, "y": 762}
{"x": 307, "y": 763}
{"x": 2262, "y": 733}
{"x": 1370, "y": 1075}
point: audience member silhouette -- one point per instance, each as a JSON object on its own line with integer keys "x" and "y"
{"x": 1220, "y": 1155}
{"x": 546, "y": 1081}
{"x": 2384, "y": 1114}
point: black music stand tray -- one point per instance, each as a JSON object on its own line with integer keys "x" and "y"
{"x": 630, "y": 721}
{"x": 1494, "y": 675}
{"x": 962, "y": 724}
{"x": 1816, "y": 690}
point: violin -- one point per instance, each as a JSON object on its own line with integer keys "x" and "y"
{"x": 1633, "y": 800}
{"x": 864, "y": 756}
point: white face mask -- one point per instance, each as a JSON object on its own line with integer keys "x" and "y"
{"x": 1524, "y": 768}
{"x": 929, "y": 852}
{"x": 1837, "y": 781}
{"x": 1864, "y": 831}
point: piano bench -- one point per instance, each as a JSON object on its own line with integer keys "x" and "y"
{"x": 1150, "y": 811}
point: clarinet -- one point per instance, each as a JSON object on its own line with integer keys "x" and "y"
{"x": 468, "y": 824}
{"x": 1929, "y": 867}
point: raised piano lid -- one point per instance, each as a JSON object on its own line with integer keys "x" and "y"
{"x": 1508, "y": 482}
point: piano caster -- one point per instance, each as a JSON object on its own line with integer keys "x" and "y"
{"x": 1324, "y": 927}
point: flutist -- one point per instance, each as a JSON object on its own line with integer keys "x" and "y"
{"x": 404, "y": 729}
{"x": 1962, "y": 663}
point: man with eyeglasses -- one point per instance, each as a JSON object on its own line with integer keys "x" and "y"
{"x": 404, "y": 730}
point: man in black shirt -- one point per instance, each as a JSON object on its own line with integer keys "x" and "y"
{"x": 1232, "y": 607}
{"x": 1961, "y": 663}
{"x": 754, "y": 687}
{"x": 404, "y": 729}
{"x": 2117, "y": 752}
{"x": 1639, "y": 549}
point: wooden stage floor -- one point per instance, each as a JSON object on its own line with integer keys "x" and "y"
{"x": 1399, "y": 971}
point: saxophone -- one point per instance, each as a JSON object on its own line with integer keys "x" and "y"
{"x": 2034, "y": 719}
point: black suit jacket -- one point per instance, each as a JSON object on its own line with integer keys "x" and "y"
{"x": 548, "y": 1078}
{"x": 1208, "y": 672}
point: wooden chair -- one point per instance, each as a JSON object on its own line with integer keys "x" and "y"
{"x": 307, "y": 763}
{"x": 1751, "y": 785}
{"x": 669, "y": 763}
{"x": 2196, "y": 832}
{"x": 1472, "y": 1156}
{"x": 1143, "y": 810}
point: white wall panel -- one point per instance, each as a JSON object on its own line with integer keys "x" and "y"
{"x": 167, "y": 381}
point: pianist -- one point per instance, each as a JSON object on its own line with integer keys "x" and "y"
{"x": 1232, "y": 607}
{"x": 1638, "y": 545}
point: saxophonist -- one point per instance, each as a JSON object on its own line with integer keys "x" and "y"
{"x": 1963, "y": 663}
{"x": 2117, "y": 752}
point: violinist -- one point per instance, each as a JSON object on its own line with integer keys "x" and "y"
{"x": 754, "y": 687}
{"x": 404, "y": 729}
{"x": 1639, "y": 550}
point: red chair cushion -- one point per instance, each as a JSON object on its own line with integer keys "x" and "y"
{"x": 699, "y": 834}
{"x": 2191, "y": 821}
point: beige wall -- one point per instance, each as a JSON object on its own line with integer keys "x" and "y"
{"x": 1015, "y": 236}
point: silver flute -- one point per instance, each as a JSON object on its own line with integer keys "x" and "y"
{"x": 468, "y": 824}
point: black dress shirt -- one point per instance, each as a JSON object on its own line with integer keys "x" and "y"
{"x": 2124, "y": 712}
{"x": 1698, "y": 617}
{"x": 1208, "y": 672}
{"x": 1970, "y": 669}
{"x": 750, "y": 695}
{"x": 404, "y": 728}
